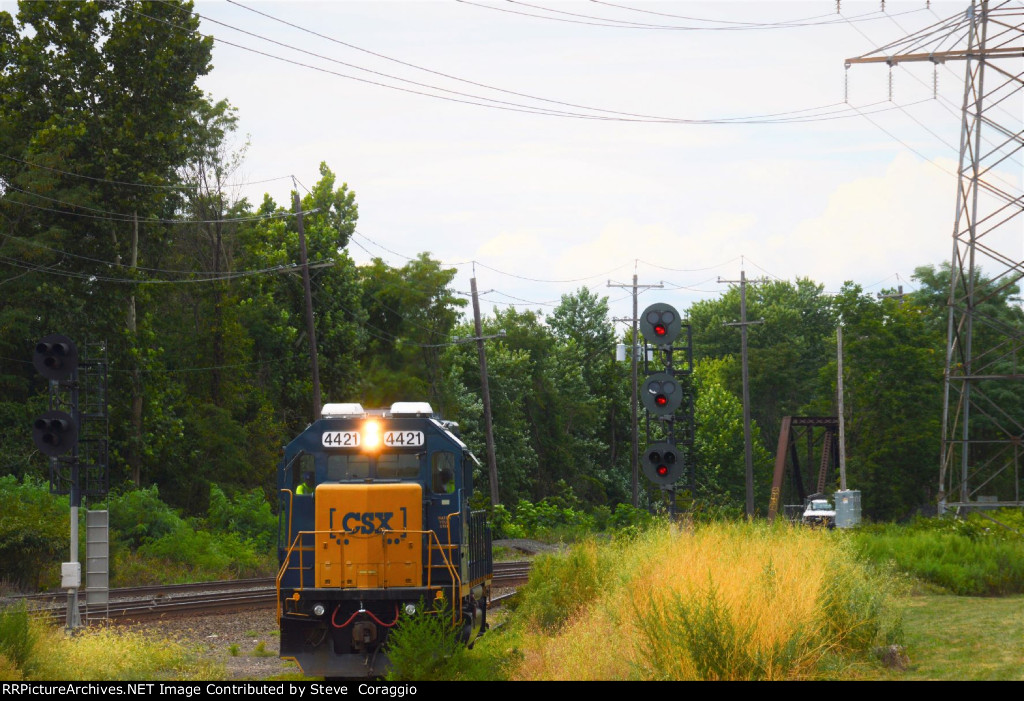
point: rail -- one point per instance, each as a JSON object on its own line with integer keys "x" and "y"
{"x": 155, "y": 601}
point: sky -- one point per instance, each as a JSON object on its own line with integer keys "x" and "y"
{"x": 853, "y": 179}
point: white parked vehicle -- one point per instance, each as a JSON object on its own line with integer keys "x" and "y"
{"x": 819, "y": 512}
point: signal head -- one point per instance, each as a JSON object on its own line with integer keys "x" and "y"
{"x": 660, "y": 324}
{"x": 662, "y": 464}
{"x": 661, "y": 394}
{"x": 55, "y": 357}
{"x": 54, "y": 433}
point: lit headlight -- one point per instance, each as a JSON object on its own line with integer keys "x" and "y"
{"x": 371, "y": 438}
{"x": 318, "y": 610}
{"x": 410, "y": 609}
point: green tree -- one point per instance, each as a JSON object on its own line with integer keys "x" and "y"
{"x": 411, "y": 313}
{"x": 719, "y": 443}
{"x": 100, "y": 109}
{"x": 785, "y": 353}
{"x": 272, "y": 306}
{"x": 892, "y": 376}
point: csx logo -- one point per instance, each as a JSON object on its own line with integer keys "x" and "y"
{"x": 368, "y": 522}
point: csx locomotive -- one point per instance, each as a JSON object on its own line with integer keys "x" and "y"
{"x": 374, "y": 522}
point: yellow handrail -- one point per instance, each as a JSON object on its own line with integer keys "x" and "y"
{"x": 433, "y": 542}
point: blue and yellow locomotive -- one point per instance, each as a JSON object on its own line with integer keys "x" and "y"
{"x": 374, "y": 522}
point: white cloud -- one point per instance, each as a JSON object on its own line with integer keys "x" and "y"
{"x": 875, "y": 226}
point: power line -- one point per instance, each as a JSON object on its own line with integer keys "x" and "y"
{"x": 110, "y": 264}
{"x": 92, "y": 277}
{"x": 542, "y": 280}
{"x": 130, "y": 183}
{"x": 784, "y": 24}
{"x": 687, "y": 270}
{"x": 825, "y": 112}
{"x": 124, "y": 217}
{"x": 591, "y": 20}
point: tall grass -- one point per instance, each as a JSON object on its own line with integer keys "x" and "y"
{"x": 962, "y": 557}
{"x": 31, "y": 650}
{"x": 722, "y": 601}
{"x": 17, "y": 640}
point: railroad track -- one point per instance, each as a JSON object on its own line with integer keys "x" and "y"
{"x": 149, "y": 602}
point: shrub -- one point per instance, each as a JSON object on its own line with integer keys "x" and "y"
{"x": 970, "y": 558}
{"x": 247, "y": 514}
{"x": 628, "y": 516}
{"x": 208, "y": 555}
{"x": 425, "y": 646}
{"x": 548, "y": 518}
{"x": 138, "y": 516}
{"x": 502, "y": 525}
{"x": 34, "y": 532}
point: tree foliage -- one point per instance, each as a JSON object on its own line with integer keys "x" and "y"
{"x": 117, "y": 226}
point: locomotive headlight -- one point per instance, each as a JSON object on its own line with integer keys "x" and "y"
{"x": 410, "y": 609}
{"x": 371, "y": 435}
{"x": 318, "y": 610}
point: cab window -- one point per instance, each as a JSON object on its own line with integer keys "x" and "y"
{"x": 442, "y": 470}
{"x": 347, "y": 467}
{"x": 398, "y": 466}
{"x": 301, "y": 468}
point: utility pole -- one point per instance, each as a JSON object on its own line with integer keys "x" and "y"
{"x": 492, "y": 463}
{"x": 743, "y": 324}
{"x": 842, "y": 421}
{"x": 635, "y": 459}
{"x": 983, "y": 374}
{"x": 310, "y": 326}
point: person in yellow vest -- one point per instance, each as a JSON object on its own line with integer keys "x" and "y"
{"x": 306, "y": 486}
{"x": 448, "y": 480}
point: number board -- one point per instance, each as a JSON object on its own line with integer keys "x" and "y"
{"x": 341, "y": 439}
{"x": 403, "y": 439}
{"x": 353, "y": 439}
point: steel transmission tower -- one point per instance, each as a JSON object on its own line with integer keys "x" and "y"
{"x": 983, "y": 406}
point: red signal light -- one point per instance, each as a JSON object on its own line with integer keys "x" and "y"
{"x": 660, "y": 329}
{"x": 661, "y": 400}
{"x": 662, "y": 470}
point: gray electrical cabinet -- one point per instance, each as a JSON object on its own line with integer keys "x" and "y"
{"x": 97, "y": 564}
{"x": 847, "y": 508}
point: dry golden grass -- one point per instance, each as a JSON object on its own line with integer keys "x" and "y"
{"x": 720, "y": 601}
{"x": 110, "y": 653}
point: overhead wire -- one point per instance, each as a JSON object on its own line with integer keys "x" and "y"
{"x": 826, "y": 112}
{"x": 125, "y": 217}
{"x": 591, "y": 20}
{"x": 542, "y": 280}
{"x": 222, "y": 275}
{"x": 131, "y": 183}
{"x": 92, "y": 277}
{"x": 766, "y": 25}
{"x": 688, "y": 270}
{"x": 950, "y": 31}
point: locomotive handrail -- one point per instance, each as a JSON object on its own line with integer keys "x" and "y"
{"x": 447, "y": 560}
{"x": 296, "y": 546}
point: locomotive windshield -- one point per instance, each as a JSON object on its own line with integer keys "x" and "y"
{"x": 402, "y": 466}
